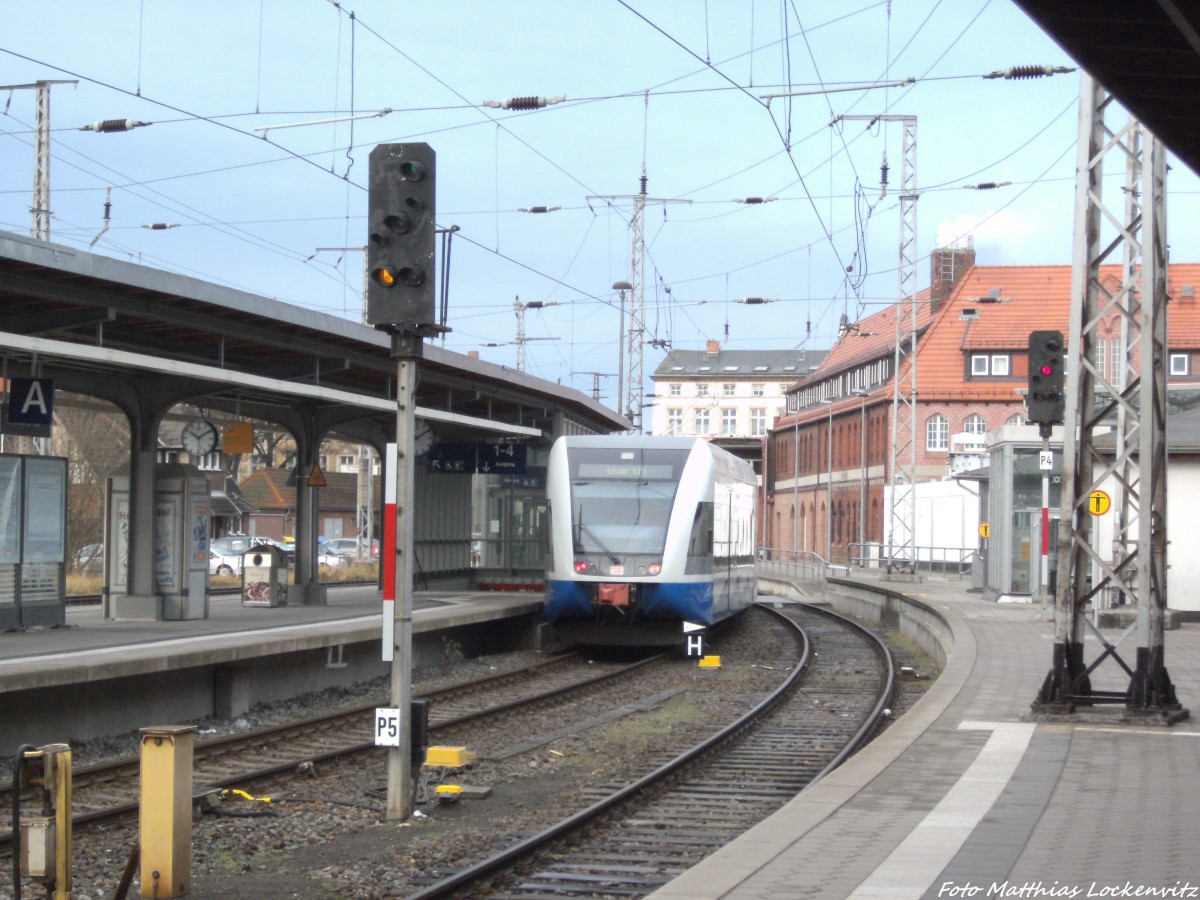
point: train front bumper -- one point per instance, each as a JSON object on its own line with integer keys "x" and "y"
{"x": 648, "y": 600}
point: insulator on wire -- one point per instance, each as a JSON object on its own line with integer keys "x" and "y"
{"x": 1021, "y": 72}
{"x": 522, "y": 103}
{"x": 987, "y": 185}
{"x": 643, "y": 181}
{"x": 110, "y": 125}
{"x": 883, "y": 175}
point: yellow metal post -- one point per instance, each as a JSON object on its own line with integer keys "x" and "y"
{"x": 51, "y": 850}
{"x": 57, "y": 759}
{"x": 166, "y": 811}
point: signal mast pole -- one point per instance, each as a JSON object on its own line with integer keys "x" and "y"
{"x": 401, "y": 264}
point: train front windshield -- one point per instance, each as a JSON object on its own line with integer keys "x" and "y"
{"x": 621, "y": 499}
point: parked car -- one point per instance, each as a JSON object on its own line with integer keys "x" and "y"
{"x": 89, "y": 560}
{"x": 225, "y": 554}
{"x": 349, "y": 548}
{"x": 324, "y": 557}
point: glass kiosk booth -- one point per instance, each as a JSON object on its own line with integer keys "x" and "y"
{"x": 33, "y": 546}
{"x": 181, "y": 546}
{"x": 1014, "y": 555}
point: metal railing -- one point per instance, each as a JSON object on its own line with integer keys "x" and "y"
{"x": 793, "y": 565}
{"x": 807, "y": 565}
{"x": 955, "y": 561}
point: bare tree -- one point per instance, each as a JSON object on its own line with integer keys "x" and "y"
{"x": 94, "y": 438}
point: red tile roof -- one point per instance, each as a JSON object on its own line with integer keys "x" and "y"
{"x": 268, "y": 489}
{"x": 991, "y": 308}
{"x": 871, "y": 338}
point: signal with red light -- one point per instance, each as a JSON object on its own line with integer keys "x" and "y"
{"x": 1046, "y": 399}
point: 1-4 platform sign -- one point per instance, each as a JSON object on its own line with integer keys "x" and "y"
{"x": 477, "y": 459}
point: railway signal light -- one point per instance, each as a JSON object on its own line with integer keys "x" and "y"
{"x": 1047, "y": 397}
{"x": 400, "y": 242}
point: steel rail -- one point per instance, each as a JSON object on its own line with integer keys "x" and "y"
{"x": 525, "y": 848}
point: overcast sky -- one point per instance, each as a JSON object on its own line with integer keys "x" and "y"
{"x": 674, "y": 86}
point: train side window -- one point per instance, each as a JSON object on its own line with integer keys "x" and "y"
{"x": 701, "y": 541}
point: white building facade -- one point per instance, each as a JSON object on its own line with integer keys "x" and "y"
{"x": 726, "y": 396}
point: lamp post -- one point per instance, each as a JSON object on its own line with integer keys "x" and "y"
{"x": 621, "y": 286}
{"x": 862, "y": 393}
{"x": 829, "y": 489}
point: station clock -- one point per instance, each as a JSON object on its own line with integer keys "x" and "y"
{"x": 199, "y": 437}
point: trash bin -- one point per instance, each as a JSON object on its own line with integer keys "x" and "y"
{"x": 264, "y": 576}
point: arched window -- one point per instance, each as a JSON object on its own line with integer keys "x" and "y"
{"x": 1017, "y": 419}
{"x": 975, "y": 424}
{"x": 937, "y": 433}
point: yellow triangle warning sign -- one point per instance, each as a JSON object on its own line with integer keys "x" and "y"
{"x": 316, "y": 478}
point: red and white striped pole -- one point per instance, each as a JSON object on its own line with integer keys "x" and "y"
{"x": 388, "y": 552}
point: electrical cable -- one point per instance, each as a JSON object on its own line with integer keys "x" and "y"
{"x": 791, "y": 158}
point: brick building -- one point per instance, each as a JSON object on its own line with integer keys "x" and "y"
{"x": 273, "y": 495}
{"x": 971, "y": 358}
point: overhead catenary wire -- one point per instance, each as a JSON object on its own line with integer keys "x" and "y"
{"x": 528, "y": 258}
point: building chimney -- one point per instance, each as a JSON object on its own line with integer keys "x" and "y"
{"x": 472, "y": 354}
{"x": 947, "y": 265}
{"x": 713, "y": 347}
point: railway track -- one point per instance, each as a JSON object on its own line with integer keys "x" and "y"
{"x": 108, "y": 790}
{"x": 642, "y": 835}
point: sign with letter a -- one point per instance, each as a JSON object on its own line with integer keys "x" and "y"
{"x": 30, "y": 409}
{"x": 31, "y": 401}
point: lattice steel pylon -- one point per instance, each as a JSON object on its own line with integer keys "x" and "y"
{"x": 41, "y": 164}
{"x": 902, "y": 540}
{"x": 41, "y": 154}
{"x": 901, "y": 525}
{"x": 635, "y": 336}
{"x": 1134, "y": 456}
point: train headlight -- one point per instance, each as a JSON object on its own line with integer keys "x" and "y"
{"x": 653, "y": 569}
{"x": 581, "y": 567}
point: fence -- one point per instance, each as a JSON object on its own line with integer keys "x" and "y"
{"x": 808, "y": 565}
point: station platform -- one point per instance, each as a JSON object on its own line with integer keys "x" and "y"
{"x": 97, "y": 677}
{"x": 966, "y": 796}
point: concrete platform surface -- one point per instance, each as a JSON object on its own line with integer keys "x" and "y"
{"x": 964, "y": 796}
{"x": 91, "y": 649}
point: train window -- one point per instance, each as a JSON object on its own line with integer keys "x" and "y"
{"x": 701, "y": 540}
{"x": 617, "y": 518}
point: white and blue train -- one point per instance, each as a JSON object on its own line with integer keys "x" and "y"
{"x": 646, "y": 533}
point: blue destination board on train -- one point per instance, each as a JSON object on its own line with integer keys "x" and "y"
{"x": 471, "y": 459}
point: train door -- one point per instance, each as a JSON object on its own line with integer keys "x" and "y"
{"x": 1022, "y": 559}
{"x": 514, "y": 539}
{"x": 1026, "y": 560}
{"x": 723, "y": 544}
